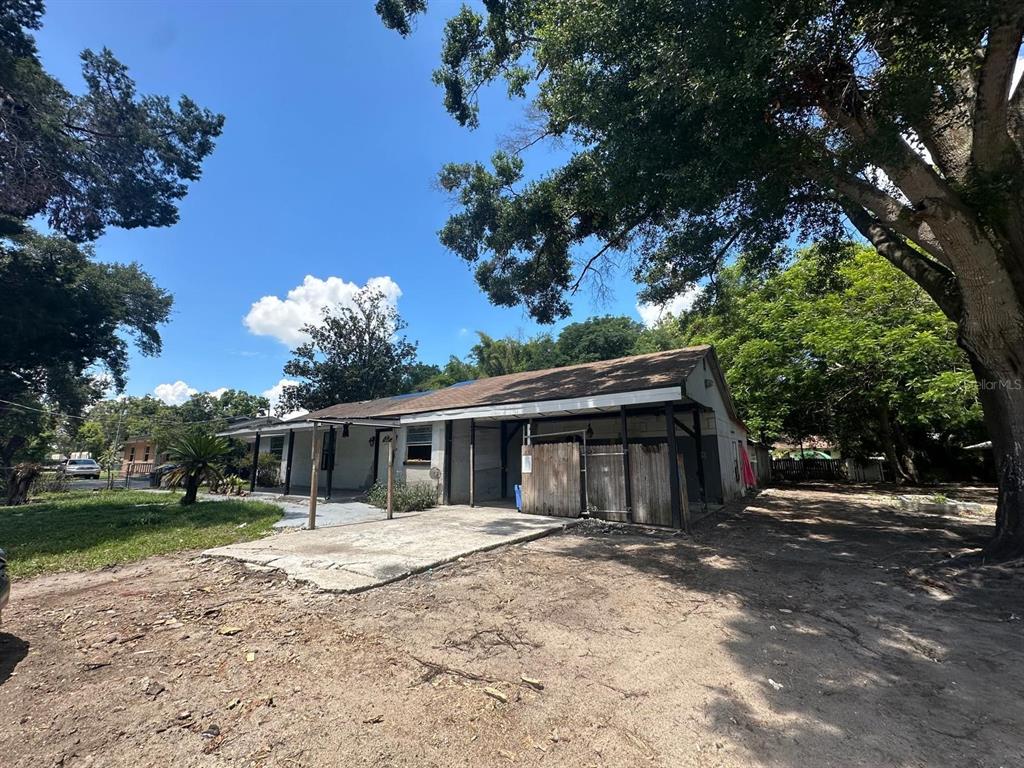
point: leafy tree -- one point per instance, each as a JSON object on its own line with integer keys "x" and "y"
{"x": 217, "y": 409}
{"x": 65, "y": 317}
{"x": 864, "y": 357}
{"x": 598, "y": 338}
{"x": 355, "y": 353}
{"x": 704, "y": 130}
{"x": 108, "y": 157}
{"x": 418, "y": 376}
{"x": 198, "y": 456}
{"x": 110, "y": 420}
{"x": 454, "y": 371}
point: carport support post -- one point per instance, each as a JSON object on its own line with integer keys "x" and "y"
{"x": 504, "y": 460}
{"x": 472, "y": 462}
{"x": 698, "y": 439}
{"x": 627, "y": 475}
{"x": 673, "y": 467}
{"x": 255, "y": 463}
{"x": 314, "y": 477}
{"x": 391, "y": 473}
{"x": 288, "y": 463}
{"x": 330, "y": 461}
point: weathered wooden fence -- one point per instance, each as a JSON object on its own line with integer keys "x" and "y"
{"x": 795, "y": 470}
{"x": 552, "y": 486}
{"x": 558, "y": 485}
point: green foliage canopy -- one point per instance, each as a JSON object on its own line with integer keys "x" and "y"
{"x": 853, "y": 351}
{"x": 66, "y": 318}
{"x": 108, "y": 157}
{"x": 355, "y": 353}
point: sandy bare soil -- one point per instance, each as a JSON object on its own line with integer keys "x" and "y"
{"x": 813, "y": 628}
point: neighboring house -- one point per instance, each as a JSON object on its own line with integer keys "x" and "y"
{"x": 558, "y": 433}
{"x": 141, "y": 454}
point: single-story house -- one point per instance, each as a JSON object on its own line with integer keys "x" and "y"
{"x": 582, "y": 438}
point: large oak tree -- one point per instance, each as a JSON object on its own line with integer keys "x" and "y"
{"x": 701, "y": 130}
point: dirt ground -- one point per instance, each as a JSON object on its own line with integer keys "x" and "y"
{"x": 812, "y": 628}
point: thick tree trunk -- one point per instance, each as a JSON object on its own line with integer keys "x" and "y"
{"x": 1003, "y": 403}
{"x": 19, "y": 482}
{"x": 191, "y": 489}
{"x": 892, "y": 455}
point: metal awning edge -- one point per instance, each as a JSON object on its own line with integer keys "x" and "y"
{"x": 540, "y": 407}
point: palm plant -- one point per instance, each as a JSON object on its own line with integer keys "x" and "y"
{"x": 198, "y": 456}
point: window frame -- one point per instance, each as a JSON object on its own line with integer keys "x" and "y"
{"x": 419, "y": 437}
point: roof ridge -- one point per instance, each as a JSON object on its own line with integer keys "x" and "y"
{"x": 691, "y": 348}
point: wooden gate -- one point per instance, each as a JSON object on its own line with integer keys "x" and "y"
{"x": 606, "y": 489}
{"x": 551, "y": 479}
{"x": 652, "y": 494}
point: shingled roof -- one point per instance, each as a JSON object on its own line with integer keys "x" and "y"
{"x": 623, "y": 374}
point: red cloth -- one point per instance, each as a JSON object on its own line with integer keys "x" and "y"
{"x": 749, "y": 479}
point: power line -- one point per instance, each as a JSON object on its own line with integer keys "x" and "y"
{"x": 175, "y": 422}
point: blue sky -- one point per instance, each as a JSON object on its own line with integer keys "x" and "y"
{"x": 333, "y": 137}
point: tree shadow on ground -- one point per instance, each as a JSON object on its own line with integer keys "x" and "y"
{"x": 12, "y": 651}
{"x": 851, "y": 627}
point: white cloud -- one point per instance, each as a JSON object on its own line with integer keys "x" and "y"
{"x": 174, "y": 394}
{"x": 283, "y": 318}
{"x": 652, "y": 314}
{"x": 1018, "y": 71}
{"x": 217, "y": 393}
{"x": 274, "y": 396}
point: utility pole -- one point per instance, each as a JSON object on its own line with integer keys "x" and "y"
{"x": 113, "y": 448}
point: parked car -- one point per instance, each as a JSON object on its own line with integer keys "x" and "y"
{"x": 157, "y": 476}
{"x": 5, "y": 582}
{"x": 82, "y": 468}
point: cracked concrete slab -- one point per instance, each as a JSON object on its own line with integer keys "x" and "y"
{"x": 358, "y": 556}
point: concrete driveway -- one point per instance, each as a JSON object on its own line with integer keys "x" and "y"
{"x": 362, "y": 555}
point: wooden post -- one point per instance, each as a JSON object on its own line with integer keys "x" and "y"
{"x": 331, "y": 447}
{"x": 391, "y": 473}
{"x": 288, "y": 463}
{"x": 446, "y": 487}
{"x": 673, "y": 467}
{"x": 255, "y": 463}
{"x": 376, "y": 451}
{"x": 314, "y": 477}
{"x": 504, "y": 460}
{"x": 624, "y": 429}
{"x": 472, "y": 462}
{"x": 698, "y": 440}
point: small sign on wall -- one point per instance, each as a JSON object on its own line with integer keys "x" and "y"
{"x": 527, "y": 464}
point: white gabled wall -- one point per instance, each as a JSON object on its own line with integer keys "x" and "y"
{"x": 703, "y": 387}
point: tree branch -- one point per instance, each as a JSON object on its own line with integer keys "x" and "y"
{"x": 991, "y": 142}
{"x": 936, "y": 280}
{"x": 613, "y": 242}
{"x": 891, "y": 213}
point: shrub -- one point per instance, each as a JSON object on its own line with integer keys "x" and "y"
{"x": 268, "y": 470}
{"x": 230, "y": 485}
{"x": 406, "y": 497}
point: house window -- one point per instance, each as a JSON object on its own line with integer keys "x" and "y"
{"x": 145, "y": 454}
{"x": 277, "y": 446}
{"x": 131, "y": 456}
{"x": 418, "y": 443}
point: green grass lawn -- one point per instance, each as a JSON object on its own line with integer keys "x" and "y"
{"x": 82, "y": 530}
